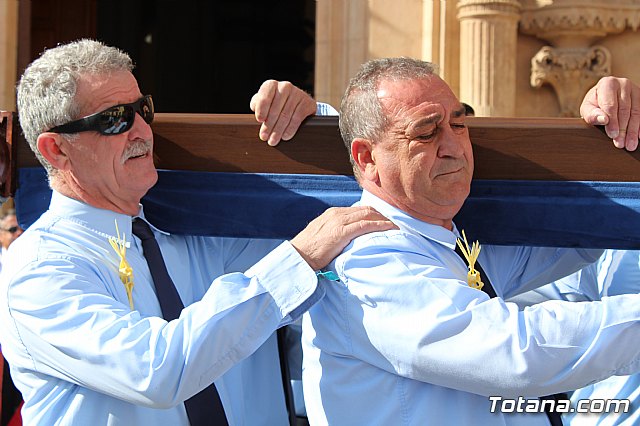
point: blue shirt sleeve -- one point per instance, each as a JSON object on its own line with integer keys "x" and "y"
{"x": 79, "y": 353}
{"x": 402, "y": 320}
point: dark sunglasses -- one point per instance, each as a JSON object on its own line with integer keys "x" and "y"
{"x": 12, "y": 230}
{"x": 112, "y": 121}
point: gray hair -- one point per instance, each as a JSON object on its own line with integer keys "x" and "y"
{"x": 361, "y": 114}
{"x": 46, "y": 91}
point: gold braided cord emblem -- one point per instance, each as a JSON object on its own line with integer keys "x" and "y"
{"x": 125, "y": 271}
{"x": 471, "y": 254}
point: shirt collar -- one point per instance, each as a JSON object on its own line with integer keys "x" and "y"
{"x": 100, "y": 220}
{"x": 405, "y": 222}
{"x": 141, "y": 216}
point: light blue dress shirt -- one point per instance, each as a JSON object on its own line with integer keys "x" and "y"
{"x": 616, "y": 272}
{"x": 403, "y": 340}
{"x": 81, "y": 356}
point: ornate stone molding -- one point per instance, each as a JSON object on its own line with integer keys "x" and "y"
{"x": 571, "y": 72}
{"x": 571, "y": 65}
{"x": 483, "y": 8}
{"x": 555, "y": 20}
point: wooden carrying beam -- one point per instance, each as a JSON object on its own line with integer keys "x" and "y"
{"x": 504, "y": 148}
{"x": 555, "y": 182}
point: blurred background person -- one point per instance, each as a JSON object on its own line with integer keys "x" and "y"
{"x": 11, "y": 397}
{"x": 9, "y": 231}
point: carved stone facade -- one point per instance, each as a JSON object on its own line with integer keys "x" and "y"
{"x": 571, "y": 72}
{"x": 504, "y": 57}
{"x": 350, "y": 32}
{"x": 572, "y": 64}
{"x": 562, "y": 19}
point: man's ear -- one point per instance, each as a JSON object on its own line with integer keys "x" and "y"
{"x": 362, "y": 154}
{"x": 50, "y": 147}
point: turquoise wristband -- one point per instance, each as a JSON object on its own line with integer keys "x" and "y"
{"x": 330, "y": 275}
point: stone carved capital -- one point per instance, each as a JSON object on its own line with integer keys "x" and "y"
{"x": 469, "y": 9}
{"x": 571, "y": 72}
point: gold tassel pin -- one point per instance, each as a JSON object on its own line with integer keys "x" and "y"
{"x": 119, "y": 244}
{"x": 471, "y": 254}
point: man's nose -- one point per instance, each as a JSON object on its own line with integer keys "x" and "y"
{"x": 140, "y": 129}
{"x": 452, "y": 143}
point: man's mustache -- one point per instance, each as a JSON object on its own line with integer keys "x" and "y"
{"x": 136, "y": 149}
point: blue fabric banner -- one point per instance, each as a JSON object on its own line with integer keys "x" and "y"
{"x": 543, "y": 213}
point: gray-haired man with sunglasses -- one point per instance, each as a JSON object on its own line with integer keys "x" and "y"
{"x": 81, "y": 307}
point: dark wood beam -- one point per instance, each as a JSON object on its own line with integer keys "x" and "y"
{"x": 504, "y": 148}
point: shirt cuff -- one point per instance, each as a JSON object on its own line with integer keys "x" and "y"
{"x": 325, "y": 109}
{"x": 289, "y": 280}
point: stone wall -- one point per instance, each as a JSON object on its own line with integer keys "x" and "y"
{"x": 484, "y": 48}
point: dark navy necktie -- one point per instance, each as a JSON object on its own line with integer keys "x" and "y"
{"x": 205, "y": 407}
{"x": 554, "y": 417}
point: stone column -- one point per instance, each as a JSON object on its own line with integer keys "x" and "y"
{"x": 8, "y": 53}
{"x": 441, "y": 39}
{"x": 341, "y": 46}
{"x": 488, "y": 39}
